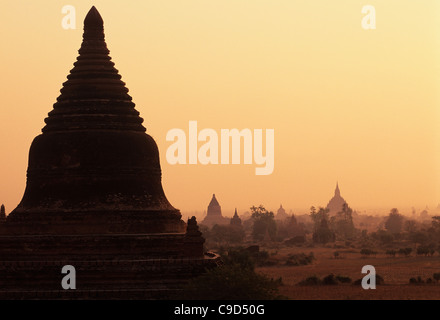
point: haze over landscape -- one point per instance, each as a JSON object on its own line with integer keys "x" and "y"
{"x": 350, "y": 105}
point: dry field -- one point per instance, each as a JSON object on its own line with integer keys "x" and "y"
{"x": 396, "y": 273}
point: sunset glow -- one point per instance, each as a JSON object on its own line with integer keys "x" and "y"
{"x": 348, "y": 105}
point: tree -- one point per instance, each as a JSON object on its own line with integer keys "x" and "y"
{"x": 367, "y": 252}
{"x": 343, "y": 222}
{"x": 419, "y": 237}
{"x": 263, "y": 222}
{"x": 391, "y": 252}
{"x": 410, "y": 226}
{"x": 405, "y": 251}
{"x": 236, "y": 279}
{"x": 226, "y": 234}
{"x": 318, "y": 216}
{"x": 394, "y": 222}
{"x": 425, "y": 250}
{"x": 384, "y": 236}
{"x": 323, "y": 234}
{"x": 436, "y": 223}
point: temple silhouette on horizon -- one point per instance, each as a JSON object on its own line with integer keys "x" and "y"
{"x": 94, "y": 198}
{"x": 336, "y": 202}
{"x": 214, "y": 214}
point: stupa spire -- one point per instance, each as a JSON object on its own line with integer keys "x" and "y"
{"x": 235, "y": 220}
{"x": 337, "y": 192}
{"x": 93, "y": 20}
{"x": 94, "y": 96}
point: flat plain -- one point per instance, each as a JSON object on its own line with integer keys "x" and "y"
{"x": 396, "y": 272}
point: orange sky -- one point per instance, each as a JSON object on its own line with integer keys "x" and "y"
{"x": 347, "y": 104}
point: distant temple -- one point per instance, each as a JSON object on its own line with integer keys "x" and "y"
{"x": 281, "y": 213}
{"x": 235, "y": 220}
{"x": 424, "y": 214}
{"x": 335, "y": 204}
{"x": 94, "y": 198}
{"x": 214, "y": 214}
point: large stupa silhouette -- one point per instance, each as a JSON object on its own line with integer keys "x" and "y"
{"x": 94, "y": 197}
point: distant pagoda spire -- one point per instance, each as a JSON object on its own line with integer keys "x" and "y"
{"x": 281, "y": 213}
{"x": 214, "y": 214}
{"x": 214, "y": 207}
{"x": 337, "y": 192}
{"x": 93, "y": 97}
{"x": 235, "y": 220}
{"x": 336, "y": 203}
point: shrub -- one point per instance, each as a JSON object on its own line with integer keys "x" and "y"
{"x": 343, "y": 279}
{"x": 426, "y": 250}
{"x": 329, "y": 280}
{"x": 379, "y": 281}
{"x": 261, "y": 258}
{"x": 391, "y": 252}
{"x": 413, "y": 280}
{"x": 422, "y": 250}
{"x": 368, "y": 252}
{"x": 236, "y": 279}
{"x": 310, "y": 281}
{"x": 244, "y": 258}
{"x": 231, "y": 282}
{"x": 419, "y": 279}
{"x": 300, "y": 259}
{"x": 297, "y": 240}
{"x": 405, "y": 251}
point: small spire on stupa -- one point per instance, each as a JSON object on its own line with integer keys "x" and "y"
{"x": 192, "y": 229}
{"x": 214, "y": 201}
{"x": 2, "y": 213}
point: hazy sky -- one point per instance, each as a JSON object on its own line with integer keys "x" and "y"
{"x": 347, "y": 104}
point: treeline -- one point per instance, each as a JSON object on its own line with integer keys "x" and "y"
{"x": 261, "y": 226}
{"x": 397, "y": 234}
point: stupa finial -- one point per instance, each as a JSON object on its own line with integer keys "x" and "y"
{"x": 93, "y": 20}
{"x": 337, "y": 191}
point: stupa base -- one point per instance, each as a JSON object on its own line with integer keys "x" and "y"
{"x": 149, "y": 266}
